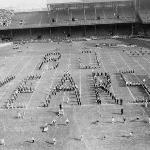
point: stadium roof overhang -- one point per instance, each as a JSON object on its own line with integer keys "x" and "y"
{"x": 79, "y": 3}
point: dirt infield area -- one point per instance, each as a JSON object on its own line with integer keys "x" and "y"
{"x": 27, "y": 125}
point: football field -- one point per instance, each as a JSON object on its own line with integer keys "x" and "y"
{"x": 91, "y": 121}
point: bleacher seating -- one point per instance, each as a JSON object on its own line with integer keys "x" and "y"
{"x": 126, "y": 12}
{"x": 90, "y": 14}
{"x": 63, "y": 15}
{"x": 144, "y": 11}
{"x": 99, "y": 13}
{"x": 77, "y": 14}
{"x": 29, "y": 18}
{"x": 109, "y": 13}
{"x": 105, "y": 13}
{"x": 45, "y": 19}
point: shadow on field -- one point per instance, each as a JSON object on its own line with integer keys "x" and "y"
{"x": 120, "y": 80}
{"x": 142, "y": 121}
{"x": 76, "y": 139}
{"x": 28, "y": 142}
{"x": 126, "y": 136}
{"x": 55, "y": 112}
{"x": 61, "y": 124}
{"x": 108, "y": 122}
{"x": 116, "y": 113}
{"x": 50, "y": 143}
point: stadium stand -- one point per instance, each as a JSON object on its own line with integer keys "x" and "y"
{"x": 63, "y": 15}
{"x": 109, "y": 13}
{"x": 144, "y": 11}
{"x": 99, "y": 14}
{"x": 77, "y": 14}
{"x": 126, "y": 12}
{"x": 45, "y": 19}
{"x": 21, "y": 19}
{"x": 114, "y": 13}
{"x": 90, "y": 13}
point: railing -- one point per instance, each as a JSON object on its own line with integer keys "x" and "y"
{"x": 73, "y": 23}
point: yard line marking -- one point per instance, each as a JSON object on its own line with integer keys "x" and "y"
{"x": 137, "y": 79}
{"x": 112, "y": 60}
{"x": 133, "y": 73}
{"x": 80, "y": 84}
{"x": 141, "y": 66}
{"x": 105, "y": 71}
{"x": 17, "y": 75}
{"x": 35, "y": 87}
{"x": 90, "y": 59}
{"x": 79, "y": 130}
{"x": 146, "y": 59}
{"x": 12, "y": 69}
{"x": 70, "y": 106}
{"x": 8, "y": 63}
{"x": 38, "y": 84}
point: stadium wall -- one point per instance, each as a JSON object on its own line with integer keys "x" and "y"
{"x": 62, "y": 33}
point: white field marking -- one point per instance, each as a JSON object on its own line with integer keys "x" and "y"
{"x": 17, "y": 74}
{"x": 118, "y": 71}
{"x": 68, "y": 68}
{"x": 146, "y": 59}
{"x": 80, "y": 84}
{"x": 140, "y": 65}
{"x": 124, "y": 61}
{"x": 12, "y": 69}
{"x": 53, "y": 78}
{"x": 37, "y": 85}
{"x": 90, "y": 59}
{"x": 70, "y": 106}
{"x": 134, "y": 73}
{"x": 84, "y": 142}
{"x": 69, "y": 63}
{"x": 105, "y": 71}
{"x": 4, "y": 127}
{"x": 129, "y": 67}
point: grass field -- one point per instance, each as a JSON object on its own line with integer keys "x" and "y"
{"x": 103, "y": 135}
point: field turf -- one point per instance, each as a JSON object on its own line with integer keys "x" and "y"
{"x": 92, "y": 121}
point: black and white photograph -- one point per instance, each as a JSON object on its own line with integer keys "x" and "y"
{"x": 74, "y": 74}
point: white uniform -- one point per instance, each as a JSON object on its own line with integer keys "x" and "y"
{"x": 54, "y": 141}
{"x": 2, "y": 142}
{"x": 113, "y": 120}
{"x": 67, "y": 121}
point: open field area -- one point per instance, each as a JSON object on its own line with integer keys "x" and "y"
{"x": 90, "y": 120}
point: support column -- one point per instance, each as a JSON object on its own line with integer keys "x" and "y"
{"x": 115, "y": 28}
{"x": 84, "y": 30}
{"x": 95, "y": 30}
{"x": 84, "y": 13}
{"x": 132, "y": 29}
{"x": 11, "y": 33}
{"x": 95, "y": 14}
{"x": 30, "y": 33}
{"x": 68, "y": 15}
{"x": 70, "y": 30}
{"x": 50, "y": 32}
